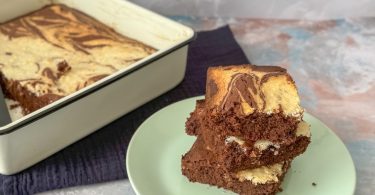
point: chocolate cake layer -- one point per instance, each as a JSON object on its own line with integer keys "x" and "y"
{"x": 55, "y": 51}
{"x": 236, "y": 153}
{"x": 200, "y": 165}
{"x": 195, "y": 121}
{"x": 257, "y": 126}
{"x": 257, "y": 102}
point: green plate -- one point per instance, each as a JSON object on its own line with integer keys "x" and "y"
{"x": 154, "y": 159}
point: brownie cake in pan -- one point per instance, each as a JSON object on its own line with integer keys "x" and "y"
{"x": 58, "y": 50}
{"x": 62, "y": 50}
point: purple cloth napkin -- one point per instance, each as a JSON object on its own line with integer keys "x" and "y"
{"x": 100, "y": 157}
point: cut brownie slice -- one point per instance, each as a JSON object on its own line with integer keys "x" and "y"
{"x": 235, "y": 153}
{"x": 254, "y": 102}
{"x": 200, "y": 165}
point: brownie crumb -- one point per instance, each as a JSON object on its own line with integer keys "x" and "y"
{"x": 63, "y": 66}
{"x": 14, "y": 106}
{"x": 313, "y": 184}
{"x": 8, "y": 53}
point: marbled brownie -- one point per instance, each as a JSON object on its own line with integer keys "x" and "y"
{"x": 55, "y": 51}
{"x": 200, "y": 165}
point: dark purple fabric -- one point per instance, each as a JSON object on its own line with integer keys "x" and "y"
{"x": 100, "y": 157}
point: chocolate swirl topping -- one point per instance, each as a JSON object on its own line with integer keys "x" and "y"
{"x": 243, "y": 88}
{"x": 57, "y": 50}
{"x": 65, "y": 28}
{"x": 247, "y": 89}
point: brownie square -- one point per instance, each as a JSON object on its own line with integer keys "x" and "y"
{"x": 235, "y": 153}
{"x": 200, "y": 165}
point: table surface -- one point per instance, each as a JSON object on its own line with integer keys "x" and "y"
{"x": 333, "y": 64}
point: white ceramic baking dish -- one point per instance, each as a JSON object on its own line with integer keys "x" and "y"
{"x": 38, "y": 135}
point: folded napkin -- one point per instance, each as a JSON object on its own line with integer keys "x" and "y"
{"x": 100, "y": 157}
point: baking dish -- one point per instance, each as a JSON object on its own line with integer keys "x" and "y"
{"x": 40, "y": 134}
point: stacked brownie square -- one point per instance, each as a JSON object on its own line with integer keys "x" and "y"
{"x": 249, "y": 128}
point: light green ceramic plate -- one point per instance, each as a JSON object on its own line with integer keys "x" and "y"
{"x": 154, "y": 156}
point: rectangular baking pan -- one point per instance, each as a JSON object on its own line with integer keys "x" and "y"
{"x": 42, "y": 133}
